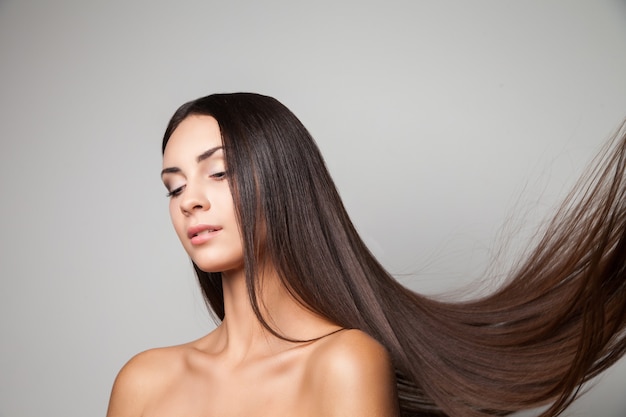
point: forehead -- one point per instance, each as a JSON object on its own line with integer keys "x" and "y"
{"x": 194, "y": 135}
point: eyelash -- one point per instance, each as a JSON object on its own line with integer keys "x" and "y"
{"x": 219, "y": 176}
{"x": 175, "y": 192}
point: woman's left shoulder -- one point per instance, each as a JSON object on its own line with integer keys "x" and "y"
{"x": 350, "y": 347}
{"x": 353, "y": 375}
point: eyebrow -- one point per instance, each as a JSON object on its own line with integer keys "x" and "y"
{"x": 204, "y": 155}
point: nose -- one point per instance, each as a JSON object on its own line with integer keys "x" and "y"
{"x": 193, "y": 199}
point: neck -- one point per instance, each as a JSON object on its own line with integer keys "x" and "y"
{"x": 243, "y": 335}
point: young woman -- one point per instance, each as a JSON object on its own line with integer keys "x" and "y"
{"x": 312, "y": 325}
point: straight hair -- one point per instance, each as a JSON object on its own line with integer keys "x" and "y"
{"x": 558, "y": 320}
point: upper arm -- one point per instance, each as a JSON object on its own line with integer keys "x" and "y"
{"x": 134, "y": 386}
{"x": 355, "y": 378}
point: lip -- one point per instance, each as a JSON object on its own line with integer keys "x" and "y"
{"x": 202, "y": 233}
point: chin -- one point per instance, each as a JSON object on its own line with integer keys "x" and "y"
{"x": 214, "y": 267}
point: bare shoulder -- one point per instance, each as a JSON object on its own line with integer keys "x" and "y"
{"x": 350, "y": 373}
{"x": 351, "y": 351}
{"x": 143, "y": 378}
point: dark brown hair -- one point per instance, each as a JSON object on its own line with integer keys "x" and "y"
{"x": 557, "y": 321}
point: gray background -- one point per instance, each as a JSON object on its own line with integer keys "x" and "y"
{"x": 451, "y": 128}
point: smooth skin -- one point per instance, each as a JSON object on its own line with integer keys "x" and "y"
{"x": 241, "y": 369}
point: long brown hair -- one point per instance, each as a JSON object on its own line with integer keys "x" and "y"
{"x": 558, "y": 320}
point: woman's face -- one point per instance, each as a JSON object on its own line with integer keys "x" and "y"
{"x": 201, "y": 204}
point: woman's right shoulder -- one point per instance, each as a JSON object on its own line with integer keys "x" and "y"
{"x": 144, "y": 377}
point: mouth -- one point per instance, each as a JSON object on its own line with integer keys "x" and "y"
{"x": 202, "y": 230}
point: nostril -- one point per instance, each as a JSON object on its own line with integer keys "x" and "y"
{"x": 193, "y": 201}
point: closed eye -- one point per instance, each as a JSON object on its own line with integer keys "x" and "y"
{"x": 219, "y": 175}
{"x": 175, "y": 192}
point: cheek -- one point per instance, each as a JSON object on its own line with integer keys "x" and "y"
{"x": 172, "y": 211}
{"x": 175, "y": 217}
